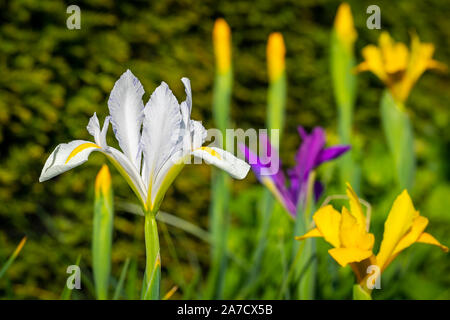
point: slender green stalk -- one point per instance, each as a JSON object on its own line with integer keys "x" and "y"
{"x": 132, "y": 279}
{"x": 276, "y": 98}
{"x": 12, "y": 257}
{"x": 67, "y": 293}
{"x": 276, "y": 108}
{"x": 342, "y": 62}
{"x": 305, "y": 275}
{"x": 220, "y": 192}
{"x": 123, "y": 274}
{"x": 153, "y": 260}
{"x": 360, "y": 294}
{"x": 399, "y": 135}
{"x": 219, "y": 221}
{"x": 292, "y": 270}
{"x": 264, "y": 227}
{"x": 276, "y": 94}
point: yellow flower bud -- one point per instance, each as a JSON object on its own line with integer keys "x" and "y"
{"x": 344, "y": 26}
{"x": 103, "y": 182}
{"x": 222, "y": 45}
{"x": 275, "y": 55}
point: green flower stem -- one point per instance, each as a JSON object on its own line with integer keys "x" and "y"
{"x": 305, "y": 276}
{"x": 13, "y": 257}
{"x": 220, "y": 192}
{"x": 153, "y": 261}
{"x": 342, "y": 62}
{"x": 399, "y": 135}
{"x": 359, "y": 293}
{"x": 276, "y": 104}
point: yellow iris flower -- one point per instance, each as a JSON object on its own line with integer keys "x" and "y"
{"x": 398, "y": 67}
{"x": 348, "y": 233}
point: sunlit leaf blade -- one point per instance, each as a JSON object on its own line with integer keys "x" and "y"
{"x": 12, "y": 257}
{"x": 123, "y": 274}
{"x": 169, "y": 219}
{"x": 169, "y": 294}
{"x": 132, "y": 280}
{"x": 67, "y": 293}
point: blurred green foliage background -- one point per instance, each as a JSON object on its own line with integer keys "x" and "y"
{"x": 53, "y": 79}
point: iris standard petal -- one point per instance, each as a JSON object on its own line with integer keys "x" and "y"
{"x": 355, "y": 207}
{"x": 186, "y": 105}
{"x": 308, "y": 151}
{"x": 161, "y": 131}
{"x": 126, "y": 110}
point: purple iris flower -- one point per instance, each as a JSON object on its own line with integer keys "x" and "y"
{"x": 311, "y": 153}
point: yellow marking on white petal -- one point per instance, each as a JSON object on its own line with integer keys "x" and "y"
{"x": 212, "y": 152}
{"x": 80, "y": 148}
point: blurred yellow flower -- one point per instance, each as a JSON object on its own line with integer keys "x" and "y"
{"x": 352, "y": 244}
{"x": 344, "y": 26}
{"x": 275, "y": 56}
{"x": 398, "y": 67}
{"x": 222, "y": 45}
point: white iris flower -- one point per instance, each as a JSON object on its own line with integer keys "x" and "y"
{"x": 156, "y": 140}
